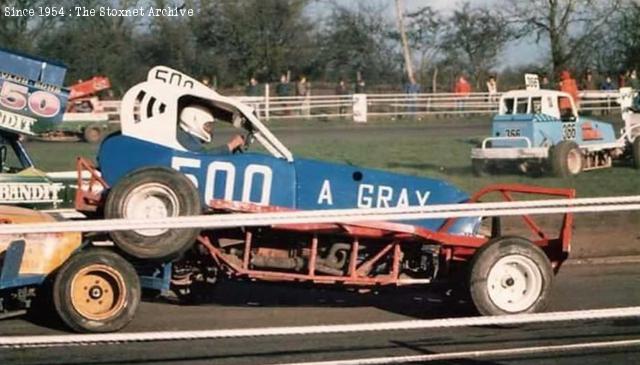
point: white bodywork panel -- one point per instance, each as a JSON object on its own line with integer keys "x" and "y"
{"x": 85, "y": 117}
{"x": 150, "y": 112}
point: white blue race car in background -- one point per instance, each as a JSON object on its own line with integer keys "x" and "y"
{"x": 542, "y": 129}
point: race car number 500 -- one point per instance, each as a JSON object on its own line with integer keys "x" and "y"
{"x": 263, "y": 174}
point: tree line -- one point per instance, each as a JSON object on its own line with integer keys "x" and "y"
{"x": 230, "y": 41}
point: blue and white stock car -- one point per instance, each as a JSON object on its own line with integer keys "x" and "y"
{"x": 148, "y": 173}
{"x": 542, "y": 128}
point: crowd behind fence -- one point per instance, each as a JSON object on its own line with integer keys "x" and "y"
{"x": 391, "y": 105}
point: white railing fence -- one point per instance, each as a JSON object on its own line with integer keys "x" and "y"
{"x": 393, "y": 105}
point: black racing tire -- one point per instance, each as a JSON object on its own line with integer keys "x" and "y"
{"x": 96, "y": 290}
{"x": 153, "y": 192}
{"x": 635, "y": 150}
{"x": 510, "y": 275}
{"x": 566, "y": 159}
{"x": 92, "y": 134}
{"x": 480, "y": 167}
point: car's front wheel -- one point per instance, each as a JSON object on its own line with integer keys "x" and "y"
{"x": 153, "y": 193}
{"x": 566, "y": 159}
{"x": 510, "y": 275}
{"x": 96, "y": 291}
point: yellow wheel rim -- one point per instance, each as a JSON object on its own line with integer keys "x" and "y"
{"x": 98, "y": 292}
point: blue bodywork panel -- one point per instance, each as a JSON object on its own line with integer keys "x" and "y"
{"x": 10, "y": 276}
{"x": 543, "y": 130}
{"x": 302, "y": 184}
{"x": 32, "y": 68}
{"x": 36, "y": 97}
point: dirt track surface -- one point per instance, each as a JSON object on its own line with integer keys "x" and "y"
{"x": 248, "y": 305}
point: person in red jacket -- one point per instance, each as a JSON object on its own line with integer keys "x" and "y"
{"x": 568, "y": 85}
{"x": 462, "y": 86}
{"x": 462, "y": 90}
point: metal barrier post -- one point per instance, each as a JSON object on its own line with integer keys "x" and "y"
{"x": 266, "y": 101}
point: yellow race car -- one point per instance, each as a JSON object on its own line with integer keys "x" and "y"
{"x": 93, "y": 289}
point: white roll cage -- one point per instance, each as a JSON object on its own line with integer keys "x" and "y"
{"x": 150, "y": 111}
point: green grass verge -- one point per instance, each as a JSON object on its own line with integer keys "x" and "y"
{"x": 414, "y": 153}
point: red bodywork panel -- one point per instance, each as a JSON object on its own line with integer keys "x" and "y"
{"x": 89, "y": 87}
{"x": 589, "y": 133}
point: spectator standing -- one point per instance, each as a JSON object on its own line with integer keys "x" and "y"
{"x": 607, "y": 84}
{"x": 462, "y": 90}
{"x": 544, "y": 82}
{"x": 303, "y": 89}
{"x": 492, "y": 89}
{"x": 568, "y": 85}
{"x": 361, "y": 86}
{"x": 412, "y": 88}
{"x": 342, "y": 90}
{"x": 588, "y": 83}
{"x": 283, "y": 88}
{"x": 252, "y": 88}
{"x": 622, "y": 80}
{"x": 633, "y": 80}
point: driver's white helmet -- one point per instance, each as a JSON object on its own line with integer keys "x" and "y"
{"x": 193, "y": 120}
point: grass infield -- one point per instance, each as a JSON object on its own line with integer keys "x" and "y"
{"x": 426, "y": 149}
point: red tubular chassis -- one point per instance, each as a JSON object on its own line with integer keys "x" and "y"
{"x": 358, "y": 254}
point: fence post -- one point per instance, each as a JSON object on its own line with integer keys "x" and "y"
{"x": 266, "y": 101}
{"x": 360, "y": 108}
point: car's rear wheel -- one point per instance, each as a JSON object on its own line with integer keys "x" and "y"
{"x": 96, "y": 291}
{"x": 566, "y": 159}
{"x": 149, "y": 193}
{"x": 636, "y": 152}
{"x": 510, "y": 275}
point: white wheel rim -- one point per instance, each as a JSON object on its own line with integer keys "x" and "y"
{"x": 574, "y": 162}
{"x": 514, "y": 283}
{"x": 151, "y": 201}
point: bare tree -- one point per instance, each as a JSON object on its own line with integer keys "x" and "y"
{"x": 473, "y": 39}
{"x": 569, "y": 26}
{"x": 424, "y": 31}
{"x": 408, "y": 62}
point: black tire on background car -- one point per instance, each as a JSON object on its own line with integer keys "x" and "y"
{"x": 480, "y": 167}
{"x": 153, "y": 192}
{"x": 92, "y": 133}
{"x": 566, "y": 159}
{"x": 636, "y": 152}
{"x": 510, "y": 275}
{"x": 96, "y": 290}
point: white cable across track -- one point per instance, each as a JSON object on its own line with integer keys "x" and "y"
{"x": 518, "y": 319}
{"x": 531, "y": 207}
